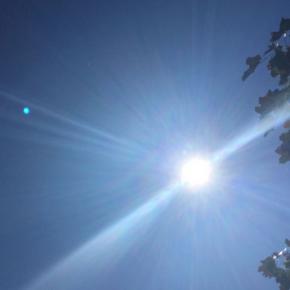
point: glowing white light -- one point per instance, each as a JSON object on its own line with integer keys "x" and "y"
{"x": 195, "y": 172}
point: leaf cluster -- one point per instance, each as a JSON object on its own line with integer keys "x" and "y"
{"x": 278, "y": 57}
{"x": 270, "y": 267}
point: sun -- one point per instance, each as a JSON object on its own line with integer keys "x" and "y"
{"x": 195, "y": 172}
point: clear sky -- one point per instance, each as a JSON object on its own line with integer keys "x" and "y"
{"x": 118, "y": 93}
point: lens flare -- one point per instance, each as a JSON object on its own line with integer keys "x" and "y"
{"x": 26, "y": 110}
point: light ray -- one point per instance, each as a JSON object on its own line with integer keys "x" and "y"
{"x": 97, "y": 143}
{"x": 96, "y": 131}
{"x": 273, "y": 120}
{"x": 101, "y": 252}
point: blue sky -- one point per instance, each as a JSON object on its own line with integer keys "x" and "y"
{"x": 118, "y": 92}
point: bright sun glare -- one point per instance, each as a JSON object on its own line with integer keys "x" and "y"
{"x": 195, "y": 172}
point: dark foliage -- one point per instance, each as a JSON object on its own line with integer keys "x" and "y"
{"x": 252, "y": 62}
{"x": 271, "y": 101}
{"x": 284, "y": 149}
{"x": 277, "y": 266}
{"x": 278, "y": 66}
{"x": 284, "y": 27}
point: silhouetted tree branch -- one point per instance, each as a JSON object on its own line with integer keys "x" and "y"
{"x": 279, "y": 66}
{"x": 277, "y": 266}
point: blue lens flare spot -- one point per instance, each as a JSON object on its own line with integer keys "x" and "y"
{"x": 26, "y": 111}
